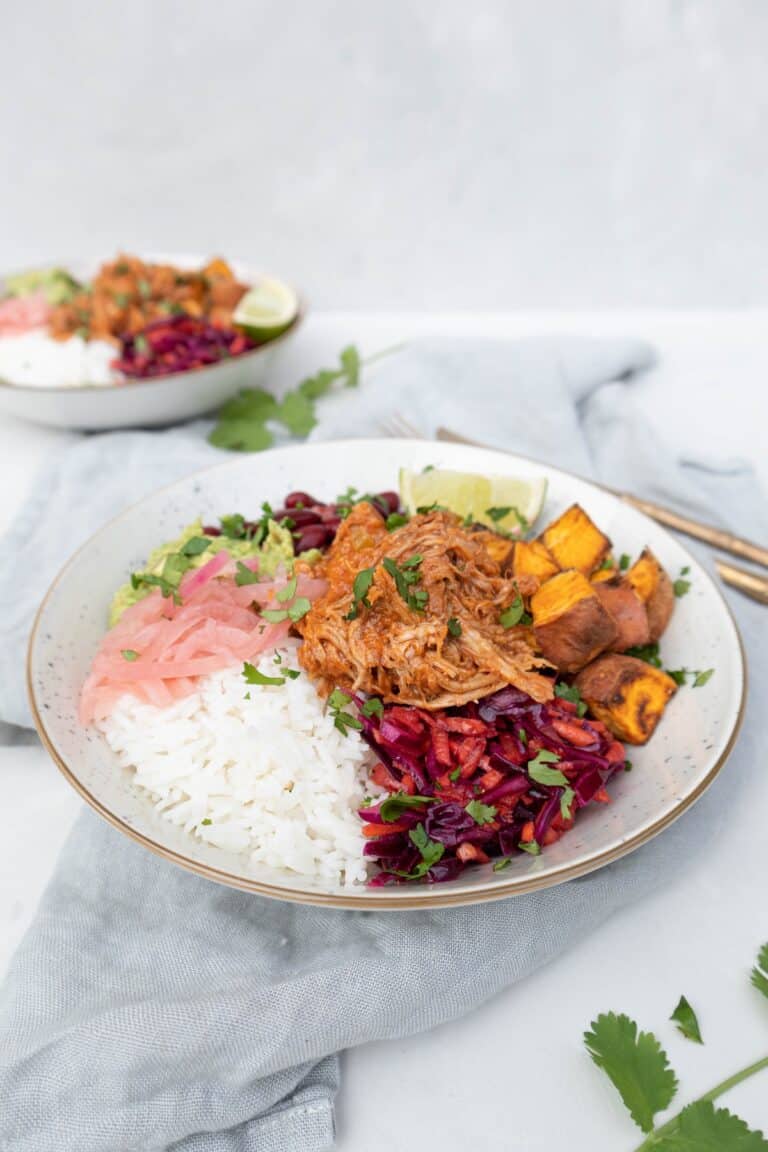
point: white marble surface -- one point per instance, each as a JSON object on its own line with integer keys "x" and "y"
{"x": 514, "y": 1074}
{"x": 417, "y": 155}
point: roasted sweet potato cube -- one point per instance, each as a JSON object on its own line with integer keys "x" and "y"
{"x": 570, "y": 622}
{"x": 604, "y": 572}
{"x": 532, "y": 558}
{"x": 654, "y": 588}
{"x": 628, "y": 695}
{"x": 575, "y": 542}
{"x": 627, "y": 609}
{"x": 499, "y": 548}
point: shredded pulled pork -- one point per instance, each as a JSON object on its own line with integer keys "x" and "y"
{"x": 391, "y": 649}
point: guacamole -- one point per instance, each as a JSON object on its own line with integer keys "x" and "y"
{"x": 55, "y": 283}
{"x": 275, "y": 549}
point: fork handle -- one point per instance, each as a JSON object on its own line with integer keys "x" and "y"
{"x": 750, "y": 583}
{"x": 715, "y": 537}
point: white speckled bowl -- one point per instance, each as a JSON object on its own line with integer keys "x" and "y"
{"x": 147, "y": 403}
{"x": 670, "y": 773}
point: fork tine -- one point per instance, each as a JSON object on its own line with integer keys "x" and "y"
{"x": 398, "y": 425}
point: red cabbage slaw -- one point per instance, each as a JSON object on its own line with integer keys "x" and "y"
{"x": 463, "y": 782}
{"x": 177, "y": 344}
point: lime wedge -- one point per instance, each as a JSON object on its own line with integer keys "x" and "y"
{"x": 505, "y": 503}
{"x": 267, "y": 309}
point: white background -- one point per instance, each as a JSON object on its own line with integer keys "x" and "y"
{"x": 439, "y": 156}
{"x": 413, "y": 154}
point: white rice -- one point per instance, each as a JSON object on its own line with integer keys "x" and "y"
{"x": 37, "y": 360}
{"x": 272, "y": 774}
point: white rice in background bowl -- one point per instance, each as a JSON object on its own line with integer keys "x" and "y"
{"x": 268, "y": 775}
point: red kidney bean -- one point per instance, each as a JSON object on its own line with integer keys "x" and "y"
{"x": 391, "y": 499}
{"x": 302, "y": 517}
{"x": 314, "y": 536}
{"x": 294, "y": 498}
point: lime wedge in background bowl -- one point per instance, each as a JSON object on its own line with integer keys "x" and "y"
{"x": 504, "y": 503}
{"x": 266, "y": 310}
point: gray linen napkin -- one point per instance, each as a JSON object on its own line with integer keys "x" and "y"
{"x": 151, "y": 1009}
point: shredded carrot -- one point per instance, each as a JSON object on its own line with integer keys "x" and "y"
{"x": 602, "y": 796}
{"x": 526, "y": 835}
{"x": 372, "y": 831}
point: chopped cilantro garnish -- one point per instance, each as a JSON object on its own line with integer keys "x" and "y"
{"x": 245, "y": 575}
{"x": 233, "y": 527}
{"x": 299, "y": 608}
{"x": 454, "y": 627}
{"x": 532, "y": 848}
{"x": 649, "y": 653}
{"x": 373, "y": 707}
{"x": 393, "y": 807}
{"x": 195, "y": 546}
{"x": 538, "y": 769}
{"x": 522, "y": 736}
{"x": 501, "y": 863}
{"x": 497, "y": 514}
{"x": 514, "y": 614}
{"x": 252, "y": 675}
{"x": 700, "y": 678}
{"x": 480, "y": 813}
{"x": 151, "y": 580}
{"x": 405, "y": 576}
{"x": 454, "y": 775}
{"x": 395, "y": 520}
{"x": 129, "y": 654}
{"x": 624, "y": 561}
{"x": 571, "y": 692}
{"x": 431, "y": 851}
{"x": 360, "y": 589}
{"x": 288, "y": 592}
{"x": 206, "y": 821}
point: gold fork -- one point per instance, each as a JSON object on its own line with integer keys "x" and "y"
{"x": 750, "y": 583}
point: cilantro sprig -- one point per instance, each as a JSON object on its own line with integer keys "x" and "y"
{"x": 338, "y": 702}
{"x": 639, "y": 1068}
{"x": 405, "y": 576}
{"x": 431, "y": 851}
{"x": 515, "y": 614}
{"x": 243, "y": 422}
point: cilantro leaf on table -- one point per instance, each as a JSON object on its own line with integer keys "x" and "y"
{"x": 759, "y": 974}
{"x": 687, "y": 1023}
{"x": 635, "y": 1063}
{"x": 241, "y": 436}
{"x": 242, "y": 422}
{"x": 703, "y": 1128}
{"x": 297, "y": 413}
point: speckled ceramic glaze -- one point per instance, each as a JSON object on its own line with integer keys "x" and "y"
{"x": 669, "y": 774}
{"x": 147, "y": 403}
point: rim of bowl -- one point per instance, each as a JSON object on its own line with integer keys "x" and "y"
{"x": 428, "y": 897}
